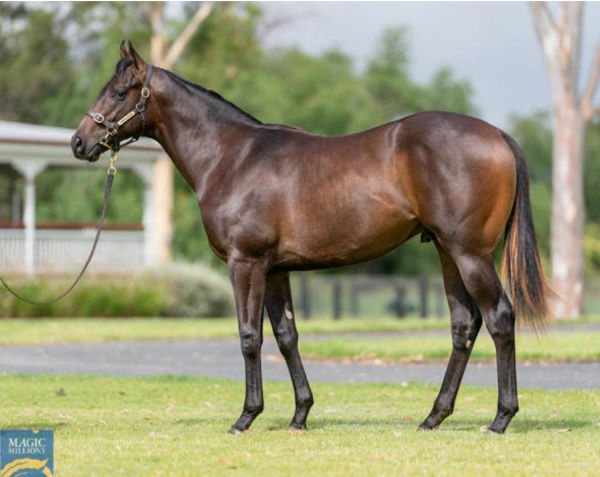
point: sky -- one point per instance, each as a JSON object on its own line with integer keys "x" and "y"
{"x": 493, "y": 44}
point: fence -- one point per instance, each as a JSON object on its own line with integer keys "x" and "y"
{"x": 59, "y": 251}
{"x": 367, "y": 295}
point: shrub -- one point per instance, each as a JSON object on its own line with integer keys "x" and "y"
{"x": 194, "y": 291}
{"x": 176, "y": 290}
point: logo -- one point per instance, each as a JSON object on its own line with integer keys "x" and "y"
{"x": 26, "y": 453}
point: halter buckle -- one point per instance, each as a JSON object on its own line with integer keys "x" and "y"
{"x": 98, "y": 118}
{"x": 145, "y": 92}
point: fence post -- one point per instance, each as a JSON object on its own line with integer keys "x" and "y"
{"x": 304, "y": 297}
{"x": 400, "y": 305}
{"x": 440, "y": 293}
{"x": 337, "y": 299}
{"x": 354, "y": 291}
{"x": 423, "y": 292}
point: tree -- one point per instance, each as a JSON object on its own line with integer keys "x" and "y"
{"x": 560, "y": 39}
{"x": 165, "y": 56}
{"x": 32, "y": 48}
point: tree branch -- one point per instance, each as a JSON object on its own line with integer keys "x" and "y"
{"x": 587, "y": 108}
{"x": 544, "y": 22}
{"x": 187, "y": 34}
{"x": 549, "y": 35}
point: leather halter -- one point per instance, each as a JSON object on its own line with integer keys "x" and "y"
{"x": 109, "y": 140}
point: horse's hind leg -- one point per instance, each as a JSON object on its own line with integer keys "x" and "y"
{"x": 482, "y": 283}
{"x": 278, "y": 300}
{"x": 466, "y": 322}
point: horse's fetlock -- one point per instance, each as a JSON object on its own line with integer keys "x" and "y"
{"x": 305, "y": 401}
{"x": 254, "y": 409}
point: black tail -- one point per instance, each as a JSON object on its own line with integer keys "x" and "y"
{"x": 521, "y": 265}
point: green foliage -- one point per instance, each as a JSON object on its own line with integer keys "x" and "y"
{"x": 174, "y": 291}
{"x": 99, "y": 296}
{"x": 591, "y": 174}
{"x": 193, "y": 291}
{"x": 35, "y": 66}
{"x": 76, "y": 195}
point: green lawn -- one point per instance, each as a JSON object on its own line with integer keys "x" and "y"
{"x": 177, "y": 426}
{"x": 70, "y": 330}
{"x": 552, "y": 346}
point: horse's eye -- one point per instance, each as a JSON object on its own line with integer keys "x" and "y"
{"x": 119, "y": 93}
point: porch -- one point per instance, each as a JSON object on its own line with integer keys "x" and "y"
{"x": 29, "y": 248}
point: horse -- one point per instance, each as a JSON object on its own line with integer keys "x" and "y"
{"x": 276, "y": 199}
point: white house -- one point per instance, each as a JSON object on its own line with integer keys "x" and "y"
{"x": 25, "y": 151}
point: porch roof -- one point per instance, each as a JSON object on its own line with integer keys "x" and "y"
{"x": 52, "y": 145}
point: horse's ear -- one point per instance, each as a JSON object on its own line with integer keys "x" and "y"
{"x": 123, "y": 51}
{"x": 135, "y": 57}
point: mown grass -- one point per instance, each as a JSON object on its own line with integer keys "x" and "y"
{"x": 553, "y": 346}
{"x": 177, "y": 426}
{"x": 73, "y": 330}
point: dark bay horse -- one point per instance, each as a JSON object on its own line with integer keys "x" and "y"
{"x": 275, "y": 199}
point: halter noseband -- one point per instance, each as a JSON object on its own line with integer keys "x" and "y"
{"x": 109, "y": 139}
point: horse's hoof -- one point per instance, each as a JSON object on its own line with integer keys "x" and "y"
{"x": 297, "y": 427}
{"x": 491, "y": 430}
{"x": 234, "y": 431}
{"x": 426, "y": 427}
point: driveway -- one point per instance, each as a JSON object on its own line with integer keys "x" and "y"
{"x": 222, "y": 358}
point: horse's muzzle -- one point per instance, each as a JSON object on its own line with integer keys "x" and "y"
{"x": 78, "y": 146}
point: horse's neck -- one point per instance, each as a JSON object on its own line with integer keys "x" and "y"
{"x": 191, "y": 130}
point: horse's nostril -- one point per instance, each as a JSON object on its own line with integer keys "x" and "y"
{"x": 77, "y": 145}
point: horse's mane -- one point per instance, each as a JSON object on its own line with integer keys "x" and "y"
{"x": 216, "y": 98}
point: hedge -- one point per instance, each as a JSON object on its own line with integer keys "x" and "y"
{"x": 177, "y": 290}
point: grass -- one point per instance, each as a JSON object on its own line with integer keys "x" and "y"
{"x": 177, "y": 426}
{"x": 553, "y": 346}
{"x": 74, "y": 330}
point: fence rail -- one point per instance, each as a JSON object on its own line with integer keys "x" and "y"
{"x": 64, "y": 251}
{"x": 368, "y": 295}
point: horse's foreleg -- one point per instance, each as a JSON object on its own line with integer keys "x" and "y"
{"x": 466, "y": 323}
{"x": 248, "y": 277}
{"x": 278, "y": 300}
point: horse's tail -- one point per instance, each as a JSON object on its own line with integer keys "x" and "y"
{"x": 521, "y": 265}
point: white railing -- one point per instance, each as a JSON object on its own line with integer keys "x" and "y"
{"x": 65, "y": 251}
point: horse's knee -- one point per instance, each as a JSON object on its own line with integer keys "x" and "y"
{"x": 464, "y": 328}
{"x": 251, "y": 341}
{"x": 501, "y": 323}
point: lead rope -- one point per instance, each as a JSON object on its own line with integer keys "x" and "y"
{"x": 112, "y": 171}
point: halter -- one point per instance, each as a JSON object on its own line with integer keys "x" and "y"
{"x": 109, "y": 139}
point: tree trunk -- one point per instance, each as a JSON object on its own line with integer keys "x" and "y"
{"x": 560, "y": 39}
{"x": 164, "y": 172}
{"x": 567, "y": 208}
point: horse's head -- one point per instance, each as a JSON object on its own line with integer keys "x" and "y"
{"x": 119, "y": 112}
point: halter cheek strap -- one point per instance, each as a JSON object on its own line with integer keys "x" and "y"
{"x": 109, "y": 140}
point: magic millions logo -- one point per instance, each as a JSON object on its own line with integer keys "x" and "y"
{"x": 26, "y": 453}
